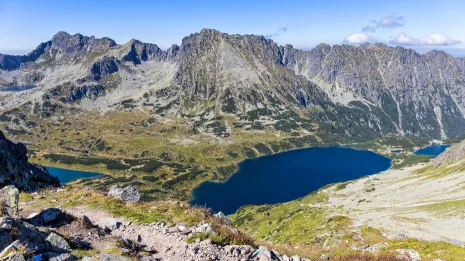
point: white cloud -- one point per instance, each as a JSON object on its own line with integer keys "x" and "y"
{"x": 434, "y": 39}
{"x": 385, "y": 22}
{"x": 358, "y": 39}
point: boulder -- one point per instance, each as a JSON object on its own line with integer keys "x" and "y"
{"x": 49, "y": 216}
{"x": 57, "y": 243}
{"x": 9, "y": 200}
{"x": 30, "y": 239}
{"x": 108, "y": 224}
{"x": 129, "y": 193}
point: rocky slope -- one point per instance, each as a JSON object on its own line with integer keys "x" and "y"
{"x": 15, "y": 169}
{"x": 81, "y": 232}
{"x": 358, "y": 92}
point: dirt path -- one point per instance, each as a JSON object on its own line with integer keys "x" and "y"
{"x": 167, "y": 243}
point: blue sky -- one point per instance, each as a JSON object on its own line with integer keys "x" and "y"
{"x": 419, "y": 24}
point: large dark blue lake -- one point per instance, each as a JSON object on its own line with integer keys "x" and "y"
{"x": 432, "y": 150}
{"x": 287, "y": 176}
{"x": 16, "y": 88}
{"x": 67, "y": 175}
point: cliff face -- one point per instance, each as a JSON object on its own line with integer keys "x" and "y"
{"x": 420, "y": 94}
{"x": 15, "y": 169}
{"x": 361, "y": 92}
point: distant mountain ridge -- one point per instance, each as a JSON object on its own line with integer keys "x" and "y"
{"x": 359, "y": 92}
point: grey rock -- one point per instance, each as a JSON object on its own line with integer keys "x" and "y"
{"x": 9, "y": 201}
{"x": 57, "y": 243}
{"x": 205, "y": 228}
{"x": 226, "y": 220}
{"x": 324, "y": 257}
{"x": 108, "y": 224}
{"x": 47, "y": 217}
{"x": 129, "y": 193}
{"x": 30, "y": 239}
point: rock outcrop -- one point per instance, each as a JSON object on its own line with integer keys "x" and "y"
{"x": 17, "y": 171}
{"x": 128, "y": 193}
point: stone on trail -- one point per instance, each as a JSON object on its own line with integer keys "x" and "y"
{"x": 48, "y": 217}
{"x": 108, "y": 224}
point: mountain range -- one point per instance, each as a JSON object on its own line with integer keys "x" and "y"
{"x": 359, "y": 92}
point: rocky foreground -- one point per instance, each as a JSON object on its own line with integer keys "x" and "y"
{"x": 81, "y": 233}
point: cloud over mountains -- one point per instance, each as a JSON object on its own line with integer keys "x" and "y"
{"x": 433, "y": 39}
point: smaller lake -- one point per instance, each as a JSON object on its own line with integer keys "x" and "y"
{"x": 16, "y": 88}
{"x": 432, "y": 150}
{"x": 287, "y": 176}
{"x": 67, "y": 175}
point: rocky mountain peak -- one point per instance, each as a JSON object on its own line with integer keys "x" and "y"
{"x": 70, "y": 44}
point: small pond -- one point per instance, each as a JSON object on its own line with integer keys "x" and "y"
{"x": 67, "y": 175}
{"x": 432, "y": 150}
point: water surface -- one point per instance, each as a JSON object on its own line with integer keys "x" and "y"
{"x": 432, "y": 150}
{"x": 67, "y": 175}
{"x": 287, "y": 176}
{"x": 16, "y": 88}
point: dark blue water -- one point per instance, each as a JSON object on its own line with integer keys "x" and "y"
{"x": 287, "y": 176}
{"x": 67, "y": 175}
{"x": 16, "y": 88}
{"x": 432, "y": 150}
